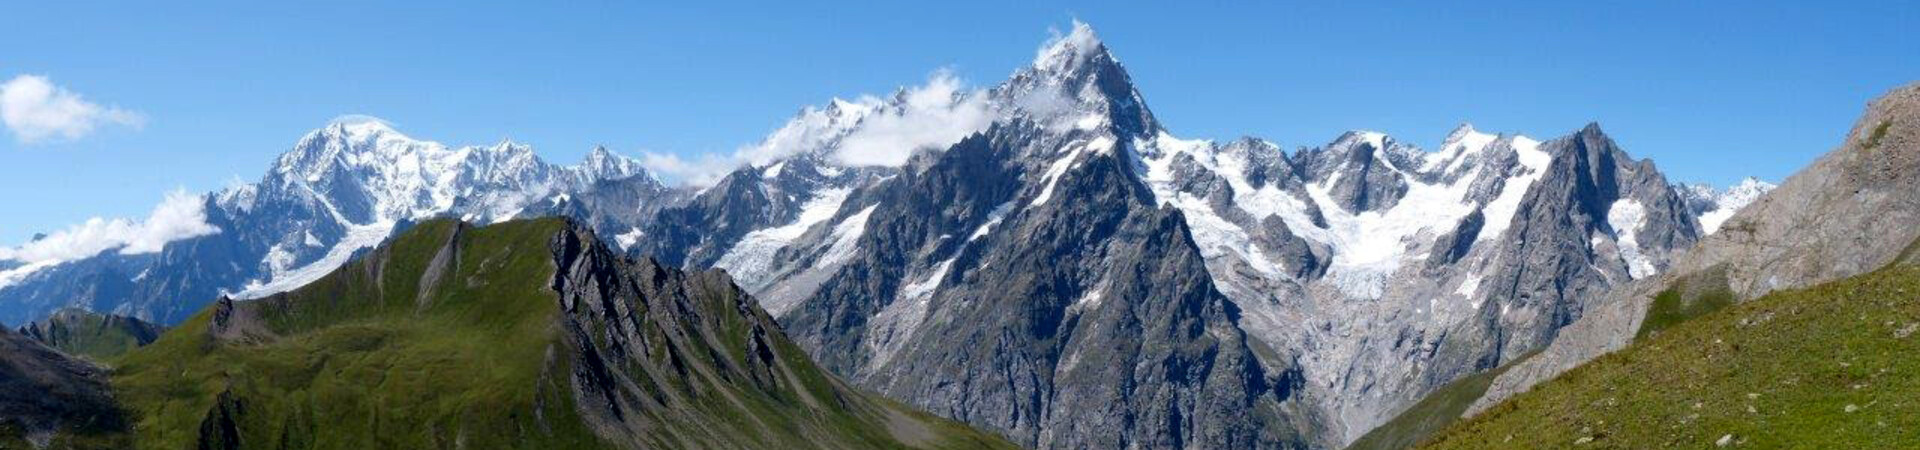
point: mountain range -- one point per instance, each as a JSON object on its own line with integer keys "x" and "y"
{"x": 1051, "y": 263}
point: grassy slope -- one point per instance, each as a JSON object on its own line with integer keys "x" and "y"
{"x": 1783, "y": 370}
{"x": 1434, "y": 412}
{"x": 96, "y": 336}
{"x": 356, "y": 361}
{"x": 353, "y": 368}
{"x": 1689, "y": 297}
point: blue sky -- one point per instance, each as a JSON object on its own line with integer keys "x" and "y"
{"x": 195, "y": 96}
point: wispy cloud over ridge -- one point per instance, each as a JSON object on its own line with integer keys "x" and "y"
{"x": 178, "y": 216}
{"x": 865, "y": 131}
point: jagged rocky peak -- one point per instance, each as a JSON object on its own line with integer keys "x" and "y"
{"x": 602, "y": 164}
{"x": 1075, "y": 79}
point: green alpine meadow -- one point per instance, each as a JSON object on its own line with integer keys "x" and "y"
{"x": 455, "y": 336}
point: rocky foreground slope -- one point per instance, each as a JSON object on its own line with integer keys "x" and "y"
{"x": 1827, "y": 366}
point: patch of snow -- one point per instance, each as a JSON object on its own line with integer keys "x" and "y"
{"x": 924, "y": 288}
{"x": 627, "y": 239}
{"x": 1499, "y": 212}
{"x": 1626, "y": 216}
{"x": 898, "y": 320}
{"x": 1090, "y": 122}
{"x": 994, "y": 217}
{"x": 1469, "y": 286}
{"x": 309, "y": 240}
{"x": 1060, "y": 166}
{"x": 1461, "y": 143}
{"x": 1089, "y": 300}
{"x": 845, "y": 235}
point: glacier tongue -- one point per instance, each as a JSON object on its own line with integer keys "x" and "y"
{"x": 750, "y": 259}
{"x": 358, "y": 237}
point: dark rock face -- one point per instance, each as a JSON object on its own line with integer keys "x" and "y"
{"x": 220, "y": 430}
{"x": 1551, "y": 273}
{"x": 44, "y": 392}
{"x": 1361, "y": 169}
{"x": 1455, "y": 244}
{"x": 650, "y": 343}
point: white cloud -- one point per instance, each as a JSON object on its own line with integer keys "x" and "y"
{"x": 935, "y": 115}
{"x": 704, "y": 171}
{"x": 179, "y": 216}
{"x": 37, "y": 110}
{"x": 865, "y": 131}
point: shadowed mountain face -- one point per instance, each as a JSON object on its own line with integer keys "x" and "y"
{"x": 50, "y": 399}
{"x": 528, "y": 334}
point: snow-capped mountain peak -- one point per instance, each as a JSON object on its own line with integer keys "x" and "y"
{"x": 364, "y": 177}
{"x": 1075, "y": 47}
{"x": 1460, "y": 145}
{"x": 1712, "y": 207}
{"x": 1076, "y": 82}
{"x": 604, "y": 164}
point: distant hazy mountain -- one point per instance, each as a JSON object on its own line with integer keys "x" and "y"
{"x": 339, "y": 191}
{"x": 1713, "y": 207}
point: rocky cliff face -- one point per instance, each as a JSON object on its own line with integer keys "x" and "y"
{"x": 650, "y": 344}
{"x": 1848, "y": 213}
